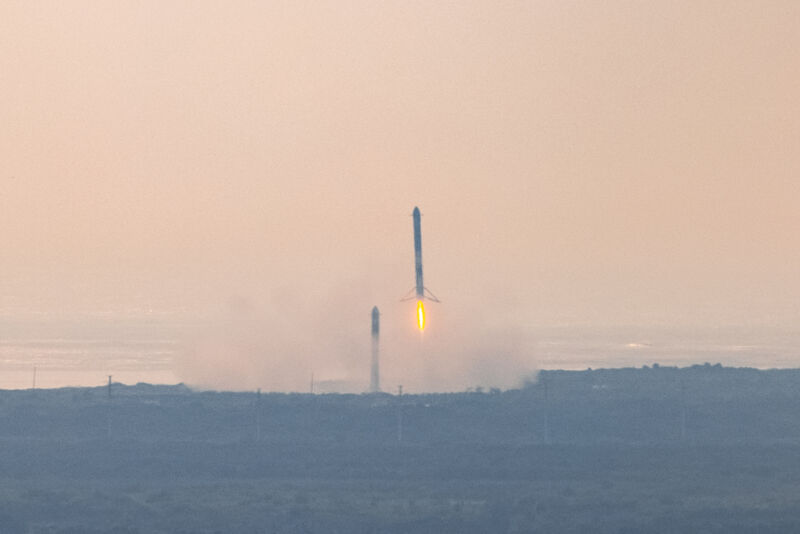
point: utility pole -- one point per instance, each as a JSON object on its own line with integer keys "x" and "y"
{"x": 258, "y": 415}
{"x": 683, "y": 410}
{"x": 546, "y": 410}
{"x": 108, "y": 420}
{"x": 399, "y": 414}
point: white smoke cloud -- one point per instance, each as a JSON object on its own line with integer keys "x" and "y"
{"x": 277, "y": 345}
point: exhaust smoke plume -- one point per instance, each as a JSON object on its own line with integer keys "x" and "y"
{"x": 277, "y": 345}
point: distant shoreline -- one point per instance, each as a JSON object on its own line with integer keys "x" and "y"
{"x": 644, "y": 369}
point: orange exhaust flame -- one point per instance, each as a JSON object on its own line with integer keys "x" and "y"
{"x": 420, "y": 315}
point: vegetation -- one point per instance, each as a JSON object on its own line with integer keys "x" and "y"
{"x": 700, "y": 449}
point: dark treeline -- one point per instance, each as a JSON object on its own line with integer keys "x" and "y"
{"x": 703, "y": 449}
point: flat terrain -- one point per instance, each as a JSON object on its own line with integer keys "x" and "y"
{"x": 698, "y": 449}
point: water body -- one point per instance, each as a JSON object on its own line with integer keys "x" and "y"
{"x": 58, "y": 362}
{"x": 53, "y": 351}
{"x": 582, "y": 348}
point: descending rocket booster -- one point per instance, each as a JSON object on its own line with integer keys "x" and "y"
{"x": 420, "y": 287}
{"x": 419, "y": 291}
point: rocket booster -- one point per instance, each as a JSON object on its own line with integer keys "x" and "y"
{"x": 375, "y": 374}
{"x": 376, "y": 321}
{"x": 420, "y": 287}
{"x": 419, "y": 291}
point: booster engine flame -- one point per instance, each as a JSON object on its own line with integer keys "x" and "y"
{"x": 420, "y": 315}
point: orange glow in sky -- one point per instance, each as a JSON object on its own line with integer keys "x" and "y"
{"x": 219, "y": 174}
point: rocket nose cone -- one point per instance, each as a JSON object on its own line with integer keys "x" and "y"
{"x": 375, "y": 310}
{"x": 415, "y": 213}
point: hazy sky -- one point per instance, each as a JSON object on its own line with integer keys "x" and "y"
{"x": 589, "y": 163}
